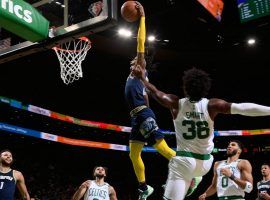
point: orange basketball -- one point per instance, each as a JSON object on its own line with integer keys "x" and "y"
{"x": 129, "y": 11}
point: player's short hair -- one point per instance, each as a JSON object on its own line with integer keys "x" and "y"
{"x": 148, "y": 58}
{"x": 105, "y": 168}
{"x": 240, "y": 144}
{"x": 266, "y": 163}
{"x": 5, "y": 150}
{"x": 196, "y": 83}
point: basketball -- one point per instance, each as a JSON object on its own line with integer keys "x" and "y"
{"x": 129, "y": 11}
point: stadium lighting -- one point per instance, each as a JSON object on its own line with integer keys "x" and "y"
{"x": 251, "y": 41}
{"x": 124, "y": 32}
{"x": 151, "y": 38}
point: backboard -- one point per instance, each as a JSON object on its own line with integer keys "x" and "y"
{"x": 68, "y": 18}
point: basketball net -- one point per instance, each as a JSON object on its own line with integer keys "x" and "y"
{"x": 70, "y": 55}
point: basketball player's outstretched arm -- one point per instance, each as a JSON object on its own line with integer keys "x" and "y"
{"x": 140, "y": 44}
{"x": 81, "y": 191}
{"x": 212, "y": 189}
{"x": 167, "y": 100}
{"x": 216, "y": 106}
{"x": 141, "y": 36}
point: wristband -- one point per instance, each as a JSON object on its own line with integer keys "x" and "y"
{"x": 248, "y": 187}
{"x": 232, "y": 177}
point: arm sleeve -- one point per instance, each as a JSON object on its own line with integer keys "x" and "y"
{"x": 249, "y": 109}
{"x": 141, "y": 36}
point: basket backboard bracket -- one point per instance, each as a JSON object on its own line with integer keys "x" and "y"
{"x": 68, "y": 19}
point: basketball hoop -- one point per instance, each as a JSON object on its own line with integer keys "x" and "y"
{"x": 70, "y": 55}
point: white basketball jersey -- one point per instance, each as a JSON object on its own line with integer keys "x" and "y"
{"x": 97, "y": 192}
{"x": 226, "y": 186}
{"x": 194, "y": 127}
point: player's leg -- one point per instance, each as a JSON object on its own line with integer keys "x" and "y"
{"x": 162, "y": 147}
{"x": 175, "y": 189}
{"x": 181, "y": 172}
{"x": 138, "y": 165}
{"x": 136, "y": 159}
{"x": 204, "y": 167}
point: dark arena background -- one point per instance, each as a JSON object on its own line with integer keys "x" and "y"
{"x": 36, "y": 106}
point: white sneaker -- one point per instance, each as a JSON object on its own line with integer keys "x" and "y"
{"x": 144, "y": 194}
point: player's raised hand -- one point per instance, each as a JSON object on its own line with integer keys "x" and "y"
{"x": 140, "y": 8}
{"x": 226, "y": 172}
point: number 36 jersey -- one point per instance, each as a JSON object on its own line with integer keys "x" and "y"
{"x": 194, "y": 127}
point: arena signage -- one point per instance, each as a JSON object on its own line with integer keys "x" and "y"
{"x": 22, "y": 19}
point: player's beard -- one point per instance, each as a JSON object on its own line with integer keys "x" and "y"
{"x": 233, "y": 153}
{"x": 100, "y": 176}
{"x": 5, "y": 164}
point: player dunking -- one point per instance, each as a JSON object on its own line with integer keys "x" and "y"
{"x": 143, "y": 120}
{"x": 10, "y": 178}
{"x": 193, "y": 118}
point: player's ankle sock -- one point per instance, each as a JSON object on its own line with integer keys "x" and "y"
{"x": 143, "y": 186}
